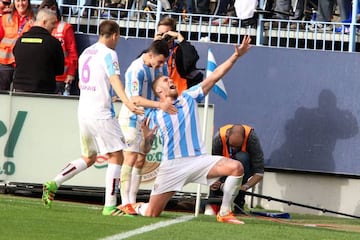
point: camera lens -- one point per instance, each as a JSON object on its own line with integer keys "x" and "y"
{"x": 167, "y": 38}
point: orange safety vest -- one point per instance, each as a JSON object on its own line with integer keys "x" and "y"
{"x": 59, "y": 33}
{"x": 10, "y": 23}
{"x": 223, "y": 138}
{"x": 179, "y": 82}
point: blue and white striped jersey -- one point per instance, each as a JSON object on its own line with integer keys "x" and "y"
{"x": 139, "y": 78}
{"x": 180, "y": 133}
{"x": 138, "y": 81}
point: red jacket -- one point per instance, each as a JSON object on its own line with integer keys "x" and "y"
{"x": 65, "y": 34}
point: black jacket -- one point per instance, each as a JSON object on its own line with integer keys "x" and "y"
{"x": 39, "y": 58}
{"x": 185, "y": 59}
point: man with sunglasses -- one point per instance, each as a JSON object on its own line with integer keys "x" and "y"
{"x": 241, "y": 143}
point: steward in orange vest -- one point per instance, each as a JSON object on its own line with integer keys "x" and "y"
{"x": 13, "y": 26}
{"x": 239, "y": 142}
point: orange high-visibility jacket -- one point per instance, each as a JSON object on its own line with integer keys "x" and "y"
{"x": 223, "y": 138}
{"x": 180, "y": 83}
{"x": 13, "y": 31}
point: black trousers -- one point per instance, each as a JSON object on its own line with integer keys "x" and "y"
{"x": 200, "y": 6}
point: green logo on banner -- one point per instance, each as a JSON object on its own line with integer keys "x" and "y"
{"x": 8, "y": 167}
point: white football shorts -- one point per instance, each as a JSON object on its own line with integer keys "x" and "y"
{"x": 175, "y": 173}
{"x": 132, "y": 134}
{"x": 100, "y": 136}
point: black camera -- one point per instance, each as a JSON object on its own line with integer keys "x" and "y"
{"x": 167, "y": 38}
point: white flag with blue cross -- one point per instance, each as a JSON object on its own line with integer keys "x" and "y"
{"x": 219, "y": 87}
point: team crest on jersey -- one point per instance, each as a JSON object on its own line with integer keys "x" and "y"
{"x": 135, "y": 86}
{"x": 116, "y": 65}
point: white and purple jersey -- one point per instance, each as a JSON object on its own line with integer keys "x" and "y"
{"x": 96, "y": 65}
{"x": 180, "y": 133}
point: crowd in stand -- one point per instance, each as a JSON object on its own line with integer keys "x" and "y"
{"x": 18, "y": 17}
{"x": 318, "y": 11}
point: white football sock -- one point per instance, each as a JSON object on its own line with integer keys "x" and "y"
{"x": 231, "y": 189}
{"x": 125, "y": 177}
{"x": 70, "y": 170}
{"x": 141, "y": 208}
{"x": 135, "y": 183}
{"x": 112, "y": 184}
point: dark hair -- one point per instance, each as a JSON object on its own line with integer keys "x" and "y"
{"x": 108, "y": 27}
{"x": 50, "y": 4}
{"x": 168, "y": 21}
{"x": 159, "y": 47}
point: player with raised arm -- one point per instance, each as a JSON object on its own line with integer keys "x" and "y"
{"x": 184, "y": 156}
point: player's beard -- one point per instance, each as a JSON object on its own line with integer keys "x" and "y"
{"x": 173, "y": 94}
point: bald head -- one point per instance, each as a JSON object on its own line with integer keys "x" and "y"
{"x": 236, "y": 135}
{"x": 46, "y": 18}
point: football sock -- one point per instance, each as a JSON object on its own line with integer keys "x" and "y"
{"x": 70, "y": 170}
{"x": 141, "y": 209}
{"x": 231, "y": 189}
{"x": 135, "y": 183}
{"x": 111, "y": 184}
{"x": 125, "y": 183}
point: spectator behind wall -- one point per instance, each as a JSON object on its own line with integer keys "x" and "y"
{"x": 64, "y": 32}
{"x": 183, "y": 56}
{"x": 325, "y": 13}
{"x": 39, "y": 56}
{"x": 4, "y": 8}
{"x": 14, "y": 25}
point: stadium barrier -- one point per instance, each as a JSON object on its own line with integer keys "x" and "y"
{"x": 138, "y": 23}
{"x": 39, "y": 135}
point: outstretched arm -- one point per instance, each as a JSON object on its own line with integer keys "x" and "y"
{"x": 119, "y": 90}
{"x": 222, "y": 69}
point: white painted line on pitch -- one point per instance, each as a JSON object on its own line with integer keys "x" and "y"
{"x": 149, "y": 228}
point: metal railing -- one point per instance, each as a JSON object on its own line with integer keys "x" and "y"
{"x": 195, "y": 27}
